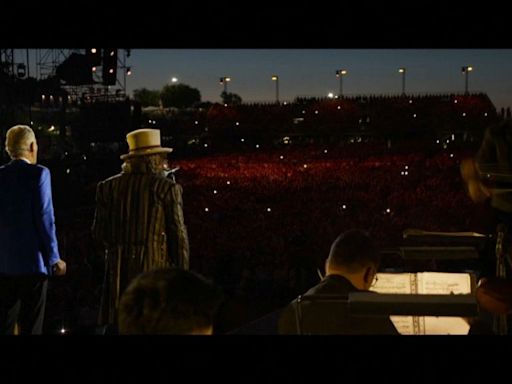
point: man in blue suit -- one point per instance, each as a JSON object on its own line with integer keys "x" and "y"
{"x": 28, "y": 243}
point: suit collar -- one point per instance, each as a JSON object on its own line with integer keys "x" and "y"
{"x": 24, "y": 159}
{"x": 20, "y": 160}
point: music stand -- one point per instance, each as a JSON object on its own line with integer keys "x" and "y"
{"x": 460, "y": 239}
{"x": 414, "y": 258}
{"x": 438, "y": 253}
{"x": 380, "y": 304}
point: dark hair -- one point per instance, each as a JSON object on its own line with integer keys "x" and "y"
{"x": 168, "y": 301}
{"x": 353, "y": 250}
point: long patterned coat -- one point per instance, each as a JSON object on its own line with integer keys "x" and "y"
{"x": 139, "y": 221}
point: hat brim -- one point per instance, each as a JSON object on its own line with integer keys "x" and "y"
{"x": 146, "y": 152}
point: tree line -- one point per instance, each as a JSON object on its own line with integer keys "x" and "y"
{"x": 178, "y": 96}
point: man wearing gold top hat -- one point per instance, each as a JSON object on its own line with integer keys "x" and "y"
{"x": 138, "y": 220}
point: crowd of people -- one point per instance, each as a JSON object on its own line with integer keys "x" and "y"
{"x": 385, "y": 116}
{"x": 260, "y": 222}
{"x": 261, "y": 210}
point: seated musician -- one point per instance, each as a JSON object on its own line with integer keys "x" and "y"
{"x": 351, "y": 267}
{"x": 489, "y": 179}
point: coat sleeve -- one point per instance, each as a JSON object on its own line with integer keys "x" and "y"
{"x": 45, "y": 219}
{"x": 177, "y": 231}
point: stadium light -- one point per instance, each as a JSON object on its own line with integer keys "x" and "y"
{"x": 276, "y": 79}
{"x": 340, "y": 73}
{"x": 225, "y": 80}
{"x": 402, "y": 71}
{"x": 466, "y": 69}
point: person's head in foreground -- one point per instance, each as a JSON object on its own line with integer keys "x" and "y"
{"x": 20, "y": 142}
{"x": 169, "y": 301}
{"x": 354, "y": 256}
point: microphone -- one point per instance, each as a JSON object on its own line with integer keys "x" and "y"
{"x": 170, "y": 172}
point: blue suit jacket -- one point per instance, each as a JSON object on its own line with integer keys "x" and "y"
{"x": 28, "y": 243}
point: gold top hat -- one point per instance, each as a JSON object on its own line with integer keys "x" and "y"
{"x": 143, "y": 142}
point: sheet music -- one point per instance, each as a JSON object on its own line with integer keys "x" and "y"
{"x": 443, "y": 325}
{"x": 393, "y": 283}
{"x": 441, "y": 283}
{"x": 403, "y": 324}
{"x": 396, "y": 283}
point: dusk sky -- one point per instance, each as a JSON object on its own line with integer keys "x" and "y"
{"x": 312, "y": 72}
